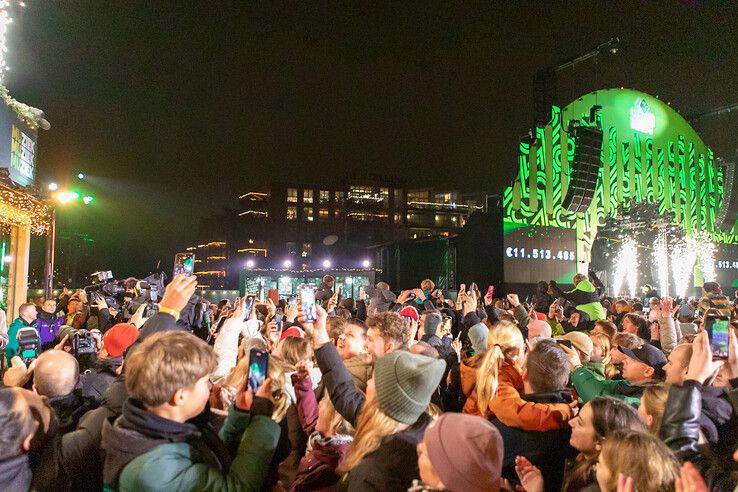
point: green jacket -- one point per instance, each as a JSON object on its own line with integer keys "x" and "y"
{"x": 11, "y": 349}
{"x": 590, "y": 385}
{"x": 171, "y": 467}
{"x": 594, "y": 309}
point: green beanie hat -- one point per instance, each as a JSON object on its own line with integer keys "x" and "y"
{"x": 404, "y": 383}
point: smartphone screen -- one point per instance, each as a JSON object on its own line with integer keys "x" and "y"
{"x": 292, "y": 300}
{"x": 247, "y": 305}
{"x": 258, "y": 367}
{"x": 184, "y": 264}
{"x": 718, "y": 329}
{"x": 490, "y": 291}
{"x": 278, "y": 318}
{"x": 307, "y": 297}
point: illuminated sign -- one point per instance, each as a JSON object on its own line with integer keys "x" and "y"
{"x": 17, "y": 147}
{"x": 22, "y": 153}
{"x": 641, "y": 118}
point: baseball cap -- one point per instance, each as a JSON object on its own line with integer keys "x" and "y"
{"x": 410, "y": 312}
{"x": 647, "y": 354}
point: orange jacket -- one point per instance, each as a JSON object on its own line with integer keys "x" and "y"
{"x": 507, "y": 405}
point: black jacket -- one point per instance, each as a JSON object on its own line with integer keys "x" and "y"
{"x": 547, "y": 450}
{"x": 70, "y": 408}
{"x": 70, "y": 461}
{"x": 95, "y": 381}
{"x": 680, "y": 430}
{"x": 394, "y": 465}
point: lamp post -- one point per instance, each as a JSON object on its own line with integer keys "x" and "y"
{"x": 49, "y": 263}
{"x": 61, "y": 197}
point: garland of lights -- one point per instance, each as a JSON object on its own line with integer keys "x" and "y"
{"x": 21, "y": 210}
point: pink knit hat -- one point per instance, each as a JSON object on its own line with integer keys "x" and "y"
{"x": 466, "y": 452}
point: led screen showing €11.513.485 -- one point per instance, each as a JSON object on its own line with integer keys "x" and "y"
{"x": 535, "y": 253}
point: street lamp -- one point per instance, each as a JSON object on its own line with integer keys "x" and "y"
{"x": 249, "y": 263}
{"x": 61, "y": 197}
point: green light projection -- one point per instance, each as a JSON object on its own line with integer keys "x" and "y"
{"x": 649, "y": 154}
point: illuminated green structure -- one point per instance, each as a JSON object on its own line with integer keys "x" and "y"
{"x": 649, "y": 154}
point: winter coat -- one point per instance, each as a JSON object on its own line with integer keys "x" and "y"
{"x": 716, "y": 300}
{"x": 145, "y": 452}
{"x": 585, "y": 298}
{"x": 394, "y": 465}
{"x": 70, "y": 408}
{"x": 317, "y": 468}
{"x": 95, "y": 381}
{"x": 508, "y": 406}
{"x": 548, "y": 450}
{"x": 590, "y": 385}
{"x": 48, "y": 325}
{"x": 226, "y": 345}
{"x": 70, "y": 461}
{"x": 11, "y": 349}
{"x": 680, "y": 431}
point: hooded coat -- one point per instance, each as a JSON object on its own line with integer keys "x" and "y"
{"x": 146, "y": 452}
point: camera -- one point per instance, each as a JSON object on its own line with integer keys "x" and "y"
{"x": 29, "y": 344}
{"x": 108, "y": 288}
{"x": 81, "y": 341}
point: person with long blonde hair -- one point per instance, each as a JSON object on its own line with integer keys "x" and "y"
{"x": 653, "y": 404}
{"x": 643, "y": 458}
{"x": 602, "y": 345}
{"x": 389, "y": 420}
{"x": 499, "y": 384}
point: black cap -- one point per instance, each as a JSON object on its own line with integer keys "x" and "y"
{"x": 647, "y": 354}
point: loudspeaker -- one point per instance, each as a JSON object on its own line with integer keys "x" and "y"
{"x": 584, "y": 168}
{"x": 544, "y": 93}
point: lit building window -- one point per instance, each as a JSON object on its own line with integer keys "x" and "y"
{"x": 307, "y": 196}
{"x": 338, "y": 212}
{"x": 292, "y": 195}
{"x": 398, "y": 217}
{"x": 417, "y": 196}
{"x": 323, "y": 213}
{"x": 324, "y": 196}
{"x": 308, "y": 213}
{"x": 339, "y": 197}
{"x": 291, "y": 213}
{"x": 307, "y": 250}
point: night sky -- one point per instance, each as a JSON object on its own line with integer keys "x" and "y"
{"x": 174, "y": 108}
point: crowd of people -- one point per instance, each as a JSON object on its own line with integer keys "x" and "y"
{"x": 391, "y": 391}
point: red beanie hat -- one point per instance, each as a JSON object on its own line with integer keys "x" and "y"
{"x": 118, "y": 338}
{"x": 291, "y": 332}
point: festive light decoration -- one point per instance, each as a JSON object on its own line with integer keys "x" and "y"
{"x": 5, "y": 20}
{"x": 18, "y": 209}
{"x": 661, "y": 258}
{"x": 626, "y": 267}
{"x": 683, "y": 257}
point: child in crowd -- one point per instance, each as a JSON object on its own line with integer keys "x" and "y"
{"x": 158, "y": 444}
